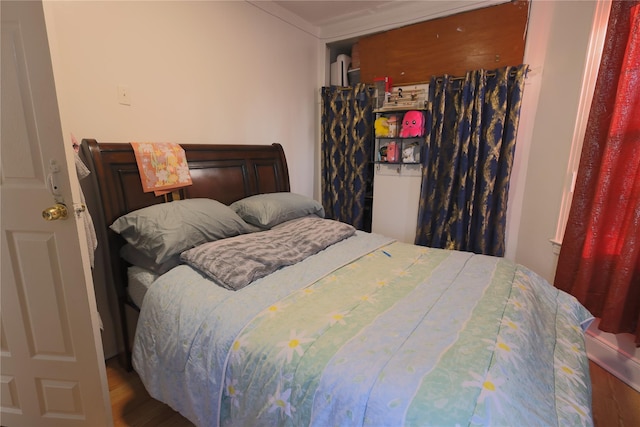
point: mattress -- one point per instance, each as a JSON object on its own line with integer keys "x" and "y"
{"x": 139, "y": 281}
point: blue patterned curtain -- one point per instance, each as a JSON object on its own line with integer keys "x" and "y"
{"x": 347, "y": 120}
{"x": 471, "y": 134}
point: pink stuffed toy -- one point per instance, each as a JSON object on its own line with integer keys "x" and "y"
{"x": 412, "y": 124}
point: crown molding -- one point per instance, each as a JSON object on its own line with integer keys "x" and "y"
{"x": 374, "y": 20}
{"x": 397, "y": 15}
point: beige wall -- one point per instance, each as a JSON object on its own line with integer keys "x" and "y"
{"x": 197, "y": 72}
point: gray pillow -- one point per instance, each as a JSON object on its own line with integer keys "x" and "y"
{"x": 134, "y": 257}
{"x": 166, "y": 229}
{"x": 270, "y": 209}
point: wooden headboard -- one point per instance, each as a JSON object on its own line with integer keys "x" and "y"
{"x": 222, "y": 172}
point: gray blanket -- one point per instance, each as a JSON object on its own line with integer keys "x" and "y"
{"x": 237, "y": 261}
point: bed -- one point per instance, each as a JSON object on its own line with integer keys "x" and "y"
{"x": 347, "y": 328}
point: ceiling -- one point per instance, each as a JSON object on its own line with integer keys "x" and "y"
{"x": 319, "y": 13}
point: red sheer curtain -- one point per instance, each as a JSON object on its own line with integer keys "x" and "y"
{"x": 599, "y": 262}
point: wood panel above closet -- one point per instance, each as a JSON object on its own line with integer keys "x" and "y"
{"x": 488, "y": 38}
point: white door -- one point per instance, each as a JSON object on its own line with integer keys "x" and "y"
{"x": 53, "y": 372}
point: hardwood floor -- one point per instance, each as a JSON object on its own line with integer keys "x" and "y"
{"x": 131, "y": 405}
{"x": 615, "y": 404}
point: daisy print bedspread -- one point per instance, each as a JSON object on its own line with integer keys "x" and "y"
{"x": 413, "y": 336}
{"x": 402, "y": 335}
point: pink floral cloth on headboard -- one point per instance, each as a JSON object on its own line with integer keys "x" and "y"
{"x": 163, "y": 166}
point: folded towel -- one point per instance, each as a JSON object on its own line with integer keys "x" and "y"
{"x": 163, "y": 166}
{"x": 90, "y": 231}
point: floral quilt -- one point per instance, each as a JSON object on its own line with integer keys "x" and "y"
{"x": 403, "y": 335}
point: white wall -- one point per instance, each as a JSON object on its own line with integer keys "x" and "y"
{"x": 557, "y": 48}
{"x": 396, "y": 195}
{"x": 197, "y": 72}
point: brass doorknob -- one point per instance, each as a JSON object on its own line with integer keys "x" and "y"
{"x": 57, "y": 211}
